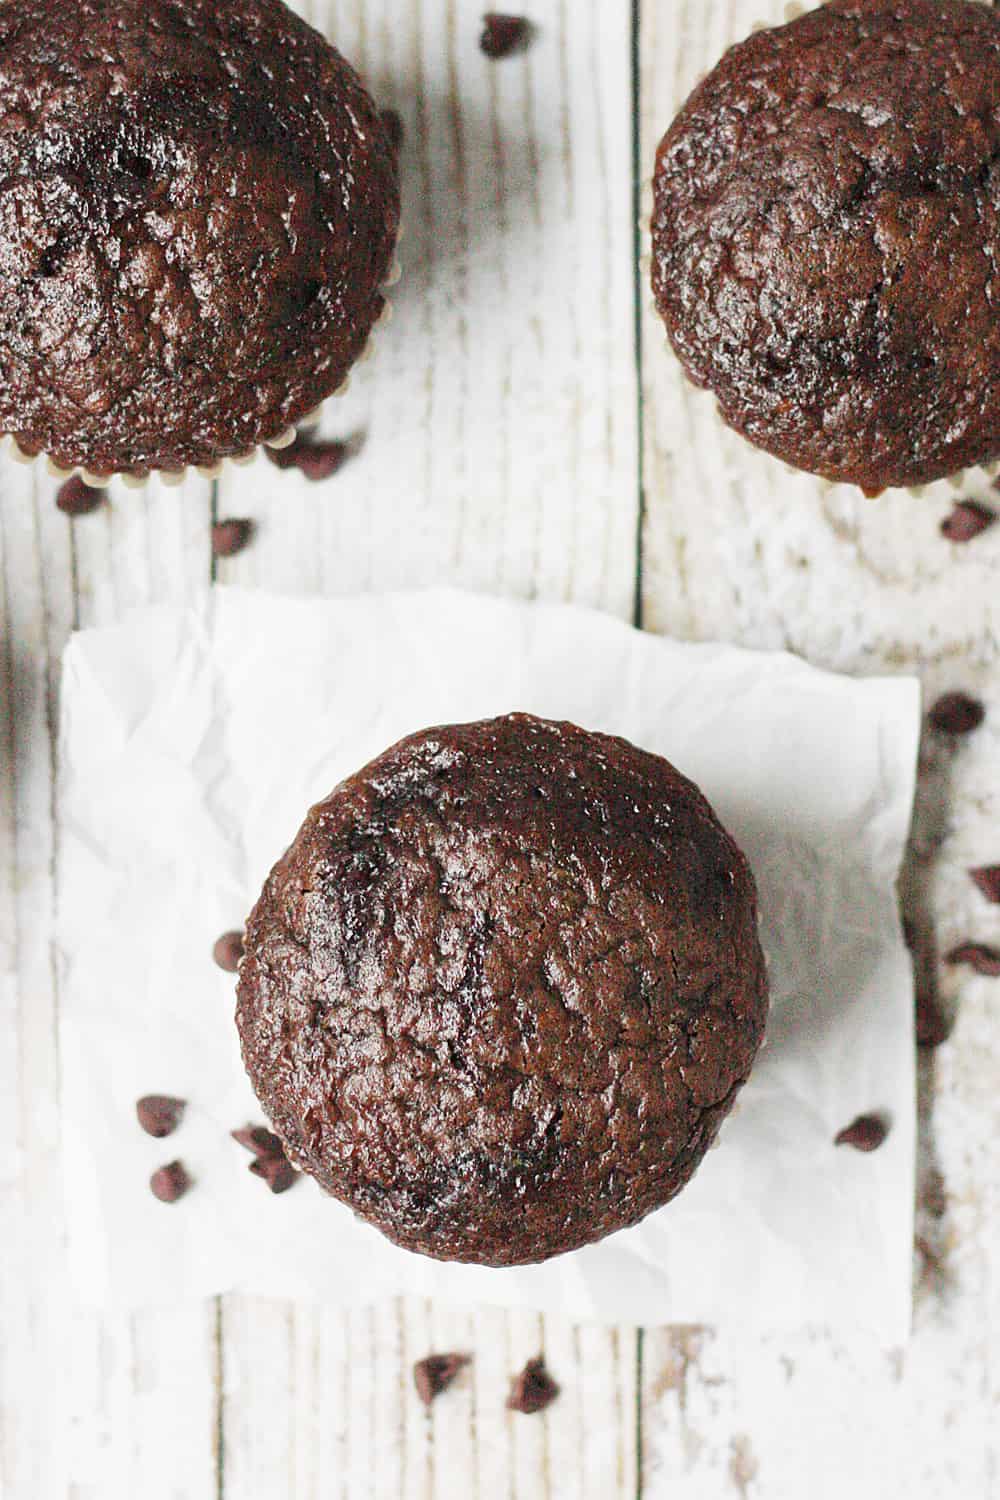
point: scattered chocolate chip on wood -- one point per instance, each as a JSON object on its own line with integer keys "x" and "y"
{"x": 987, "y": 878}
{"x": 228, "y": 951}
{"x": 258, "y": 1140}
{"x": 533, "y": 1390}
{"x": 866, "y": 1133}
{"x": 978, "y": 957}
{"x": 170, "y": 1182}
{"x": 395, "y": 129}
{"x": 277, "y": 1172}
{"x": 315, "y": 460}
{"x": 77, "y": 498}
{"x": 968, "y": 520}
{"x": 503, "y": 35}
{"x": 231, "y": 537}
{"x": 159, "y": 1114}
{"x": 436, "y": 1373}
{"x": 957, "y": 713}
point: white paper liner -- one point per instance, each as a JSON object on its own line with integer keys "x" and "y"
{"x": 173, "y": 478}
{"x": 192, "y": 744}
{"x": 971, "y": 479}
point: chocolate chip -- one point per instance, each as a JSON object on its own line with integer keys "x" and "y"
{"x": 957, "y": 713}
{"x": 968, "y": 520}
{"x": 978, "y": 957}
{"x": 394, "y": 128}
{"x": 170, "y": 1183}
{"x": 504, "y": 35}
{"x": 533, "y": 1390}
{"x": 866, "y": 1133}
{"x": 228, "y": 951}
{"x": 76, "y": 498}
{"x": 159, "y": 1114}
{"x": 277, "y": 1172}
{"x": 258, "y": 1140}
{"x": 230, "y": 537}
{"x": 987, "y": 878}
{"x": 435, "y": 1374}
{"x": 316, "y": 460}
{"x": 270, "y": 1161}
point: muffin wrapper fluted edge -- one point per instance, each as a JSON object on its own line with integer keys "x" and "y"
{"x": 177, "y": 477}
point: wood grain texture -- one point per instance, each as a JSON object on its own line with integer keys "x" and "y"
{"x": 736, "y": 548}
{"x": 499, "y": 449}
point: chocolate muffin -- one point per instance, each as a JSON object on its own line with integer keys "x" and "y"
{"x": 503, "y": 989}
{"x": 198, "y": 207}
{"x": 826, "y": 235}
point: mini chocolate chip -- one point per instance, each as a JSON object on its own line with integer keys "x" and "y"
{"x": 159, "y": 1114}
{"x": 977, "y": 956}
{"x": 230, "y": 537}
{"x": 315, "y": 460}
{"x": 957, "y": 713}
{"x": 533, "y": 1390}
{"x": 394, "y": 128}
{"x": 504, "y": 35}
{"x": 170, "y": 1182}
{"x": 435, "y": 1374}
{"x": 277, "y": 1172}
{"x": 77, "y": 498}
{"x": 260, "y": 1141}
{"x": 967, "y": 521}
{"x": 866, "y": 1133}
{"x": 987, "y": 878}
{"x": 228, "y": 951}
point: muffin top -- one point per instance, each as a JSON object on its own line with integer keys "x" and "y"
{"x": 503, "y": 988}
{"x": 198, "y": 206}
{"x": 826, "y": 237}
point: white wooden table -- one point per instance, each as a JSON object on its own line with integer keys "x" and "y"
{"x": 526, "y": 432}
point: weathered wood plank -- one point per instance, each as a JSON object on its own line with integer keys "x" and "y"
{"x": 91, "y": 1405}
{"x": 735, "y": 548}
{"x": 499, "y": 416}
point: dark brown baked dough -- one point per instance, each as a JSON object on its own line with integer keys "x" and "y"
{"x": 826, "y": 239}
{"x": 198, "y": 206}
{"x": 503, "y": 989}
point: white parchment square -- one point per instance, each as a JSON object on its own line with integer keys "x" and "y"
{"x": 192, "y": 745}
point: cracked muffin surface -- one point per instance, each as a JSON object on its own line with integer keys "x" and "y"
{"x": 198, "y": 208}
{"x": 503, "y": 988}
{"x": 826, "y": 235}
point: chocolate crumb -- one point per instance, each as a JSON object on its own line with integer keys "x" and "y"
{"x": 978, "y": 957}
{"x": 504, "y": 35}
{"x": 395, "y": 129}
{"x": 230, "y": 537}
{"x": 866, "y": 1133}
{"x": 435, "y": 1374}
{"x": 967, "y": 521}
{"x": 170, "y": 1182}
{"x": 260, "y": 1141}
{"x": 277, "y": 1172}
{"x": 957, "y": 713}
{"x": 77, "y": 498}
{"x": 159, "y": 1115}
{"x": 987, "y": 878}
{"x": 533, "y": 1390}
{"x": 228, "y": 951}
